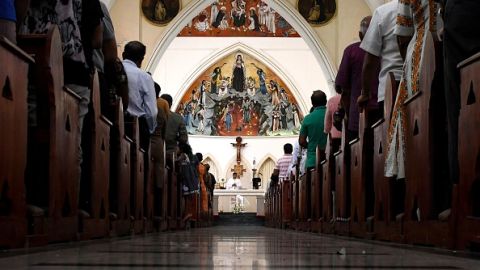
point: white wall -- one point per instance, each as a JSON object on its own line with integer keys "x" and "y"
{"x": 220, "y": 150}
{"x": 187, "y": 57}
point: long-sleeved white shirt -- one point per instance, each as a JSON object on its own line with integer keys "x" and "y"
{"x": 141, "y": 94}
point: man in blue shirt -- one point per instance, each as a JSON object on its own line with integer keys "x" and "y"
{"x": 142, "y": 100}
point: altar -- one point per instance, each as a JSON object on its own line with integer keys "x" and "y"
{"x": 245, "y": 201}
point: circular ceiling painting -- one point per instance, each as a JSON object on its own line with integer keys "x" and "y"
{"x": 160, "y": 11}
{"x": 317, "y": 12}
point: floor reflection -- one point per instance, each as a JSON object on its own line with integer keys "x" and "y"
{"x": 231, "y": 247}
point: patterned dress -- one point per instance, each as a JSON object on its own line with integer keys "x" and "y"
{"x": 417, "y": 18}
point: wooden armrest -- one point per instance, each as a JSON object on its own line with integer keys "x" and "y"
{"x": 468, "y": 61}
{"x": 412, "y": 98}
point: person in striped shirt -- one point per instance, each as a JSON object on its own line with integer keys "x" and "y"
{"x": 281, "y": 169}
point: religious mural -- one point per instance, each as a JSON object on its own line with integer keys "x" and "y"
{"x": 160, "y": 11}
{"x": 224, "y": 18}
{"x": 240, "y": 96}
{"x": 317, "y": 12}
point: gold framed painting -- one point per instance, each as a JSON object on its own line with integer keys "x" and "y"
{"x": 317, "y": 12}
{"x": 160, "y": 12}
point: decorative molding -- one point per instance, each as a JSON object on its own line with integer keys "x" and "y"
{"x": 282, "y": 7}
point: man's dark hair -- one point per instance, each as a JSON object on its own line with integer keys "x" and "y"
{"x": 158, "y": 89}
{"x": 318, "y": 98}
{"x": 199, "y": 156}
{"x": 168, "y": 98}
{"x": 185, "y": 148}
{"x": 288, "y": 148}
{"x": 135, "y": 51}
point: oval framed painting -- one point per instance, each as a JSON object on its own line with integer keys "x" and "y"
{"x": 317, "y": 12}
{"x": 160, "y": 12}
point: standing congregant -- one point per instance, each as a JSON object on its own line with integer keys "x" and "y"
{"x": 141, "y": 91}
{"x": 312, "y": 133}
{"x": 380, "y": 45}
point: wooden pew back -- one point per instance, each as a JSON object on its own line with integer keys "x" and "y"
{"x": 13, "y": 144}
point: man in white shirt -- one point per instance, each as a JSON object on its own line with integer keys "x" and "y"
{"x": 381, "y": 47}
{"x": 141, "y": 91}
{"x": 234, "y": 183}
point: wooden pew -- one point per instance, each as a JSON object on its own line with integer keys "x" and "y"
{"x": 94, "y": 188}
{"x": 342, "y": 186}
{"x": 120, "y": 173}
{"x": 304, "y": 202}
{"x": 316, "y": 187}
{"x": 161, "y": 216}
{"x": 295, "y": 201}
{"x": 362, "y": 195}
{"x": 52, "y": 178}
{"x": 425, "y": 160}
{"x": 328, "y": 187}
{"x": 148, "y": 195}
{"x": 173, "y": 194}
{"x": 389, "y": 193}
{"x": 286, "y": 199}
{"x": 13, "y": 144}
{"x": 137, "y": 177}
{"x": 278, "y": 201}
{"x": 468, "y": 201}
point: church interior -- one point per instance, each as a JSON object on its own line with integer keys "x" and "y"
{"x": 249, "y": 134}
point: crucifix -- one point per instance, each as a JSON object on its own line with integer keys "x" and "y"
{"x": 238, "y": 168}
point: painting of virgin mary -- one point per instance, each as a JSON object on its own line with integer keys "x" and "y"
{"x": 160, "y": 11}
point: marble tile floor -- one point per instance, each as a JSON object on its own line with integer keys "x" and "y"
{"x": 231, "y": 247}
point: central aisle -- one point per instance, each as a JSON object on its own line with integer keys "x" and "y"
{"x": 229, "y": 247}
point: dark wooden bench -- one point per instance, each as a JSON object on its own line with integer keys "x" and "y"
{"x": 389, "y": 193}
{"x": 328, "y": 187}
{"x": 52, "y": 178}
{"x": 362, "y": 195}
{"x": 426, "y": 214}
{"x": 295, "y": 201}
{"x": 342, "y": 186}
{"x": 137, "y": 177}
{"x": 316, "y": 187}
{"x": 13, "y": 144}
{"x": 120, "y": 174}
{"x": 94, "y": 188}
{"x": 468, "y": 199}
{"x": 286, "y": 199}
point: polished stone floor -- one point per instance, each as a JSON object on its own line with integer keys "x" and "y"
{"x": 231, "y": 247}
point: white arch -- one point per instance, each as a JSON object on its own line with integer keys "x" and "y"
{"x": 264, "y": 58}
{"x": 266, "y": 178}
{"x": 282, "y": 7}
{"x": 217, "y": 168}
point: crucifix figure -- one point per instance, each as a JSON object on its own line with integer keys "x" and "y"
{"x": 238, "y": 168}
{"x": 239, "y": 146}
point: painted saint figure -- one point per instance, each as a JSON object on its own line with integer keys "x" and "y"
{"x": 254, "y": 22}
{"x": 251, "y": 90}
{"x": 201, "y": 119}
{"x": 216, "y": 79}
{"x": 238, "y": 77}
{"x": 261, "y": 78}
{"x": 220, "y": 17}
{"x": 213, "y": 12}
{"x": 160, "y": 11}
{"x": 296, "y": 118}
{"x": 238, "y": 14}
{"x": 274, "y": 93}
